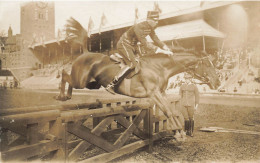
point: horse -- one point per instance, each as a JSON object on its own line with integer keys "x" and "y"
{"x": 150, "y": 82}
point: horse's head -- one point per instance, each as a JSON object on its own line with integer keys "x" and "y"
{"x": 205, "y": 71}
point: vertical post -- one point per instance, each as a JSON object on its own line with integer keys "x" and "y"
{"x": 43, "y": 58}
{"x": 90, "y": 45}
{"x": 56, "y": 54}
{"x": 62, "y": 56}
{"x": 148, "y": 127}
{"x": 100, "y": 44}
{"x": 156, "y": 109}
{"x": 32, "y": 133}
{"x": 49, "y": 56}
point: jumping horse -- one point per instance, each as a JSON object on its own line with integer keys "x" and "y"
{"x": 150, "y": 82}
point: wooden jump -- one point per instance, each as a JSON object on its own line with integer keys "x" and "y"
{"x": 66, "y": 132}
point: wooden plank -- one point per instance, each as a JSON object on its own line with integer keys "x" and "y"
{"x": 56, "y": 128}
{"x": 157, "y": 124}
{"x": 23, "y": 110}
{"x": 115, "y": 100}
{"x": 122, "y": 151}
{"x": 16, "y": 128}
{"x": 62, "y": 152}
{"x": 125, "y": 123}
{"x": 164, "y": 124}
{"x": 68, "y": 116}
{"x": 159, "y": 118}
{"x": 85, "y": 134}
{"x": 149, "y": 113}
{"x": 30, "y": 118}
{"x": 25, "y": 151}
{"x": 17, "y": 141}
{"x": 32, "y": 133}
{"x": 124, "y": 137}
{"x": 83, "y": 145}
{"x": 4, "y": 139}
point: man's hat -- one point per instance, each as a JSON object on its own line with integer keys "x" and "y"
{"x": 153, "y": 15}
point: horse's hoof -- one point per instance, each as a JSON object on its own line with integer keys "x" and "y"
{"x": 68, "y": 97}
{"x": 60, "y": 98}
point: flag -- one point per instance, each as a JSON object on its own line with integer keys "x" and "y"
{"x": 90, "y": 26}
{"x": 136, "y": 14}
{"x": 58, "y": 37}
{"x": 156, "y": 7}
{"x": 103, "y": 22}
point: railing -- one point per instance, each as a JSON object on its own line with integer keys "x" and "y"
{"x": 66, "y": 132}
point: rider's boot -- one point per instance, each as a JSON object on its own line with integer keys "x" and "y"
{"x": 191, "y": 127}
{"x": 110, "y": 87}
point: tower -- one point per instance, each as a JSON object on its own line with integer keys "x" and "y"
{"x": 37, "y": 21}
{"x": 10, "y": 32}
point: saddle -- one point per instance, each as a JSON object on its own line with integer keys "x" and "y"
{"x": 118, "y": 59}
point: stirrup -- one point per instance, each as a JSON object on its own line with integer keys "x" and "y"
{"x": 110, "y": 88}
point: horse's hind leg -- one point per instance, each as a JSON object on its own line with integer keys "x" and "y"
{"x": 64, "y": 79}
{"x": 69, "y": 93}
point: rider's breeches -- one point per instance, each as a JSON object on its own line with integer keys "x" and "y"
{"x": 127, "y": 52}
{"x": 187, "y": 112}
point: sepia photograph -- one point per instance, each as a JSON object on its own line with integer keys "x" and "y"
{"x": 129, "y": 81}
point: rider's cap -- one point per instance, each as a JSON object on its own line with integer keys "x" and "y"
{"x": 153, "y": 15}
{"x": 187, "y": 76}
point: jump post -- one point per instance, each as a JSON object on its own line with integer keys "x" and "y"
{"x": 66, "y": 132}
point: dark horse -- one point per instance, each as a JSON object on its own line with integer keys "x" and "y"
{"x": 150, "y": 82}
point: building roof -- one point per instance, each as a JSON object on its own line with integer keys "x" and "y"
{"x": 206, "y": 6}
{"x": 189, "y": 29}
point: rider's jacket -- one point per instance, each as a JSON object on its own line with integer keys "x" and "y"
{"x": 138, "y": 32}
{"x": 189, "y": 94}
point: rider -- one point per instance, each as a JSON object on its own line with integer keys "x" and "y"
{"x": 128, "y": 41}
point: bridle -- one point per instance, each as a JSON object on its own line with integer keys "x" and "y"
{"x": 194, "y": 73}
{"x": 191, "y": 69}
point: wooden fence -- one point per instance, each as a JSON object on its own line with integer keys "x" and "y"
{"x": 72, "y": 132}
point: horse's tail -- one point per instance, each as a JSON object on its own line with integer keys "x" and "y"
{"x": 79, "y": 34}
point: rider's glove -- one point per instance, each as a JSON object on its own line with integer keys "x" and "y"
{"x": 159, "y": 50}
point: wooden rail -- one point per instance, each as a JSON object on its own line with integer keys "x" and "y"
{"x": 66, "y": 132}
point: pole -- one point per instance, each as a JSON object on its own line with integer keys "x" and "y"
{"x": 100, "y": 44}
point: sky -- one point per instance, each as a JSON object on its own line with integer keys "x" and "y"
{"x": 117, "y": 12}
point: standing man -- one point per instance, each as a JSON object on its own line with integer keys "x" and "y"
{"x": 189, "y": 103}
{"x": 126, "y": 45}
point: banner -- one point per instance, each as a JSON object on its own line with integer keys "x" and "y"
{"x": 90, "y": 26}
{"x": 136, "y": 14}
{"x": 103, "y": 22}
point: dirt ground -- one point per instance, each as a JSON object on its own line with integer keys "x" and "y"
{"x": 210, "y": 146}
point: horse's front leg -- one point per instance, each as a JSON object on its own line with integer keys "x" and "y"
{"x": 64, "y": 79}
